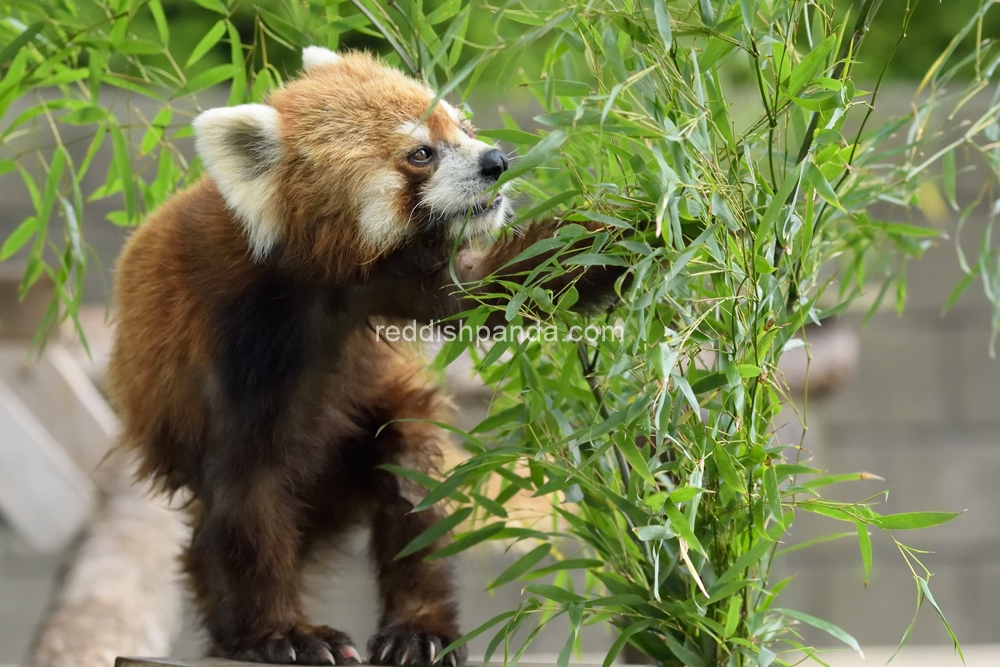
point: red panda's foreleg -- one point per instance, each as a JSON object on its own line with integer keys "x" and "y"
{"x": 244, "y": 566}
{"x": 419, "y": 609}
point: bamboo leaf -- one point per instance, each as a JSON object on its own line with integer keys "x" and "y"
{"x": 623, "y": 638}
{"x": 435, "y": 532}
{"x": 210, "y": 39}
{"x": 17, "y": 238}
{"x": 521, "y": 565}
{"x": 913, "y": 520}
{"x": 468, "y": 540}
{"x": 826, "y": 627}
{"x": 554, "y": 593}
{"x": 865, "y": 542}
{"x": 662, "y": 14}
{"x": 539, "y": 153}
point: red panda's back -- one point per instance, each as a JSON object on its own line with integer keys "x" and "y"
{"x": 166, "y": 277}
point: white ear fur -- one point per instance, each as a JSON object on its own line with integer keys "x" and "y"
{"x": 317, "y": 56}
{"x": 240, "y": 146}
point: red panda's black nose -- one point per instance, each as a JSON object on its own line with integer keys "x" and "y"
{"x": 492, "y": 163}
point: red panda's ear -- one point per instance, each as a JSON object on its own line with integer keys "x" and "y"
{"x": 240, "y": 147}
{"x": 317, "y": 56}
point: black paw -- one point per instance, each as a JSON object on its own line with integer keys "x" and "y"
{"x": 318, "y": 645}
{"x": 401, "y": 646}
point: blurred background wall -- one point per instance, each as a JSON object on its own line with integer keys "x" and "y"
{"x": 920, "y": 407}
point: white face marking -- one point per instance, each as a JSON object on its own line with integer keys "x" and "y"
{"x": 240, "y": 147}
{"x": 452, "y": 111}
{"x": 317, "y": 56}
{"x": 458, "y": 188}
{"x": 418, "y": 131}
{"x": 379, "y": 223}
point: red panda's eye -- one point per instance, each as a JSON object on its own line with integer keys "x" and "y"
{"x": 421, "y": 156}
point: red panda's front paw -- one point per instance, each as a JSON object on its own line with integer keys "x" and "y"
{"x": 320, "y": 645}
{"x": 402, "y": 646}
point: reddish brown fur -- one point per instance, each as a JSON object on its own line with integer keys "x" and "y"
{"x": 259, "y": 386}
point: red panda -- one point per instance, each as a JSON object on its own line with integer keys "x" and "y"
{"x": 245, "y": 367}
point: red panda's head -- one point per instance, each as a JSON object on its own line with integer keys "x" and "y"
{"x": 348, "y": 163}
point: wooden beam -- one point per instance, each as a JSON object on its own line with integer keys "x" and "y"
{"x": 123, "y": 591}
{"x": 43, "y": 493}
{"x": 62, "y": 397}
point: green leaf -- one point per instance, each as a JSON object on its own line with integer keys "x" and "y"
{"x": 421, "y": 478}
{"x": 521, "y": 565}
{"x": 563, "y": 565}
{"x": 52, "y": 181}
{"x": 137, "y": 46}
{"x": 469, "y": 539}
{"x": 216, "y": 6}
{"x": 682, "y": 494}
{"x": 655, "y": 532}
{"x": 538, "y": 154}
{"x": 85, "y": 115}
{"x": 210, "y": 39}
{"x": 913, "y": 520}
{"x": 778, "y": 202}
{"x": 511, "y": 136}
{"x": 826, "y": 480}
{"x": 823, "y": 187}
{"x": 930, "y": 598}
{"x": 948, "y": 176}
{"x": 469, "y": 636}
{"x": 810, "y": 65}
{"x": 596, "y": 259}
{"x": 554, "y": 593}
{"x": 238, "y": 92}
{"x": 549, "y": 204}
{"x": 680, "y": 524}
{"x": 514, "y": 305}
{"x": 865, "y": 542}
{"x": 120, "y": 160}
{"x": 815, "y": 541}
{"x": 732, "y": 616}
{"x": 751, "y": 557}
{"x": 710, "y": 382}
{"x": 903, "y": 229}
{"x": 636, "y": 459}
{"x": 15, "y": 44}
{"x": 206, "y": 79}
{"x": 662, "y": 14}
{"x": 761, "y": 265}
{"x": 771, "y": 492}
{"x": 686, "y": 655}
{"x": 624, "y": 636}
{"x": 726, "y": 466}
{"x": 443, "y": 12}
{"x": 825, "y": 626}
{"x": 562, "y": 87}
{"x": 748, "y": 9}
{"x": 435, "y": 532}
{"x": 708, "y": 18}
{"x": 162, "y": 28}
{"x": 21, "y": 235}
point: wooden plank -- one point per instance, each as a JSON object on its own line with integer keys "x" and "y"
{"x": 221, "y": 662}
{"x": 61, "y": 396}
{"x": 122, "y": 593}
{"x": 43, "y": 493}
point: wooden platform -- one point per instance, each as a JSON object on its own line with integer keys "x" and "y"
{"x": 220, "y": 662}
